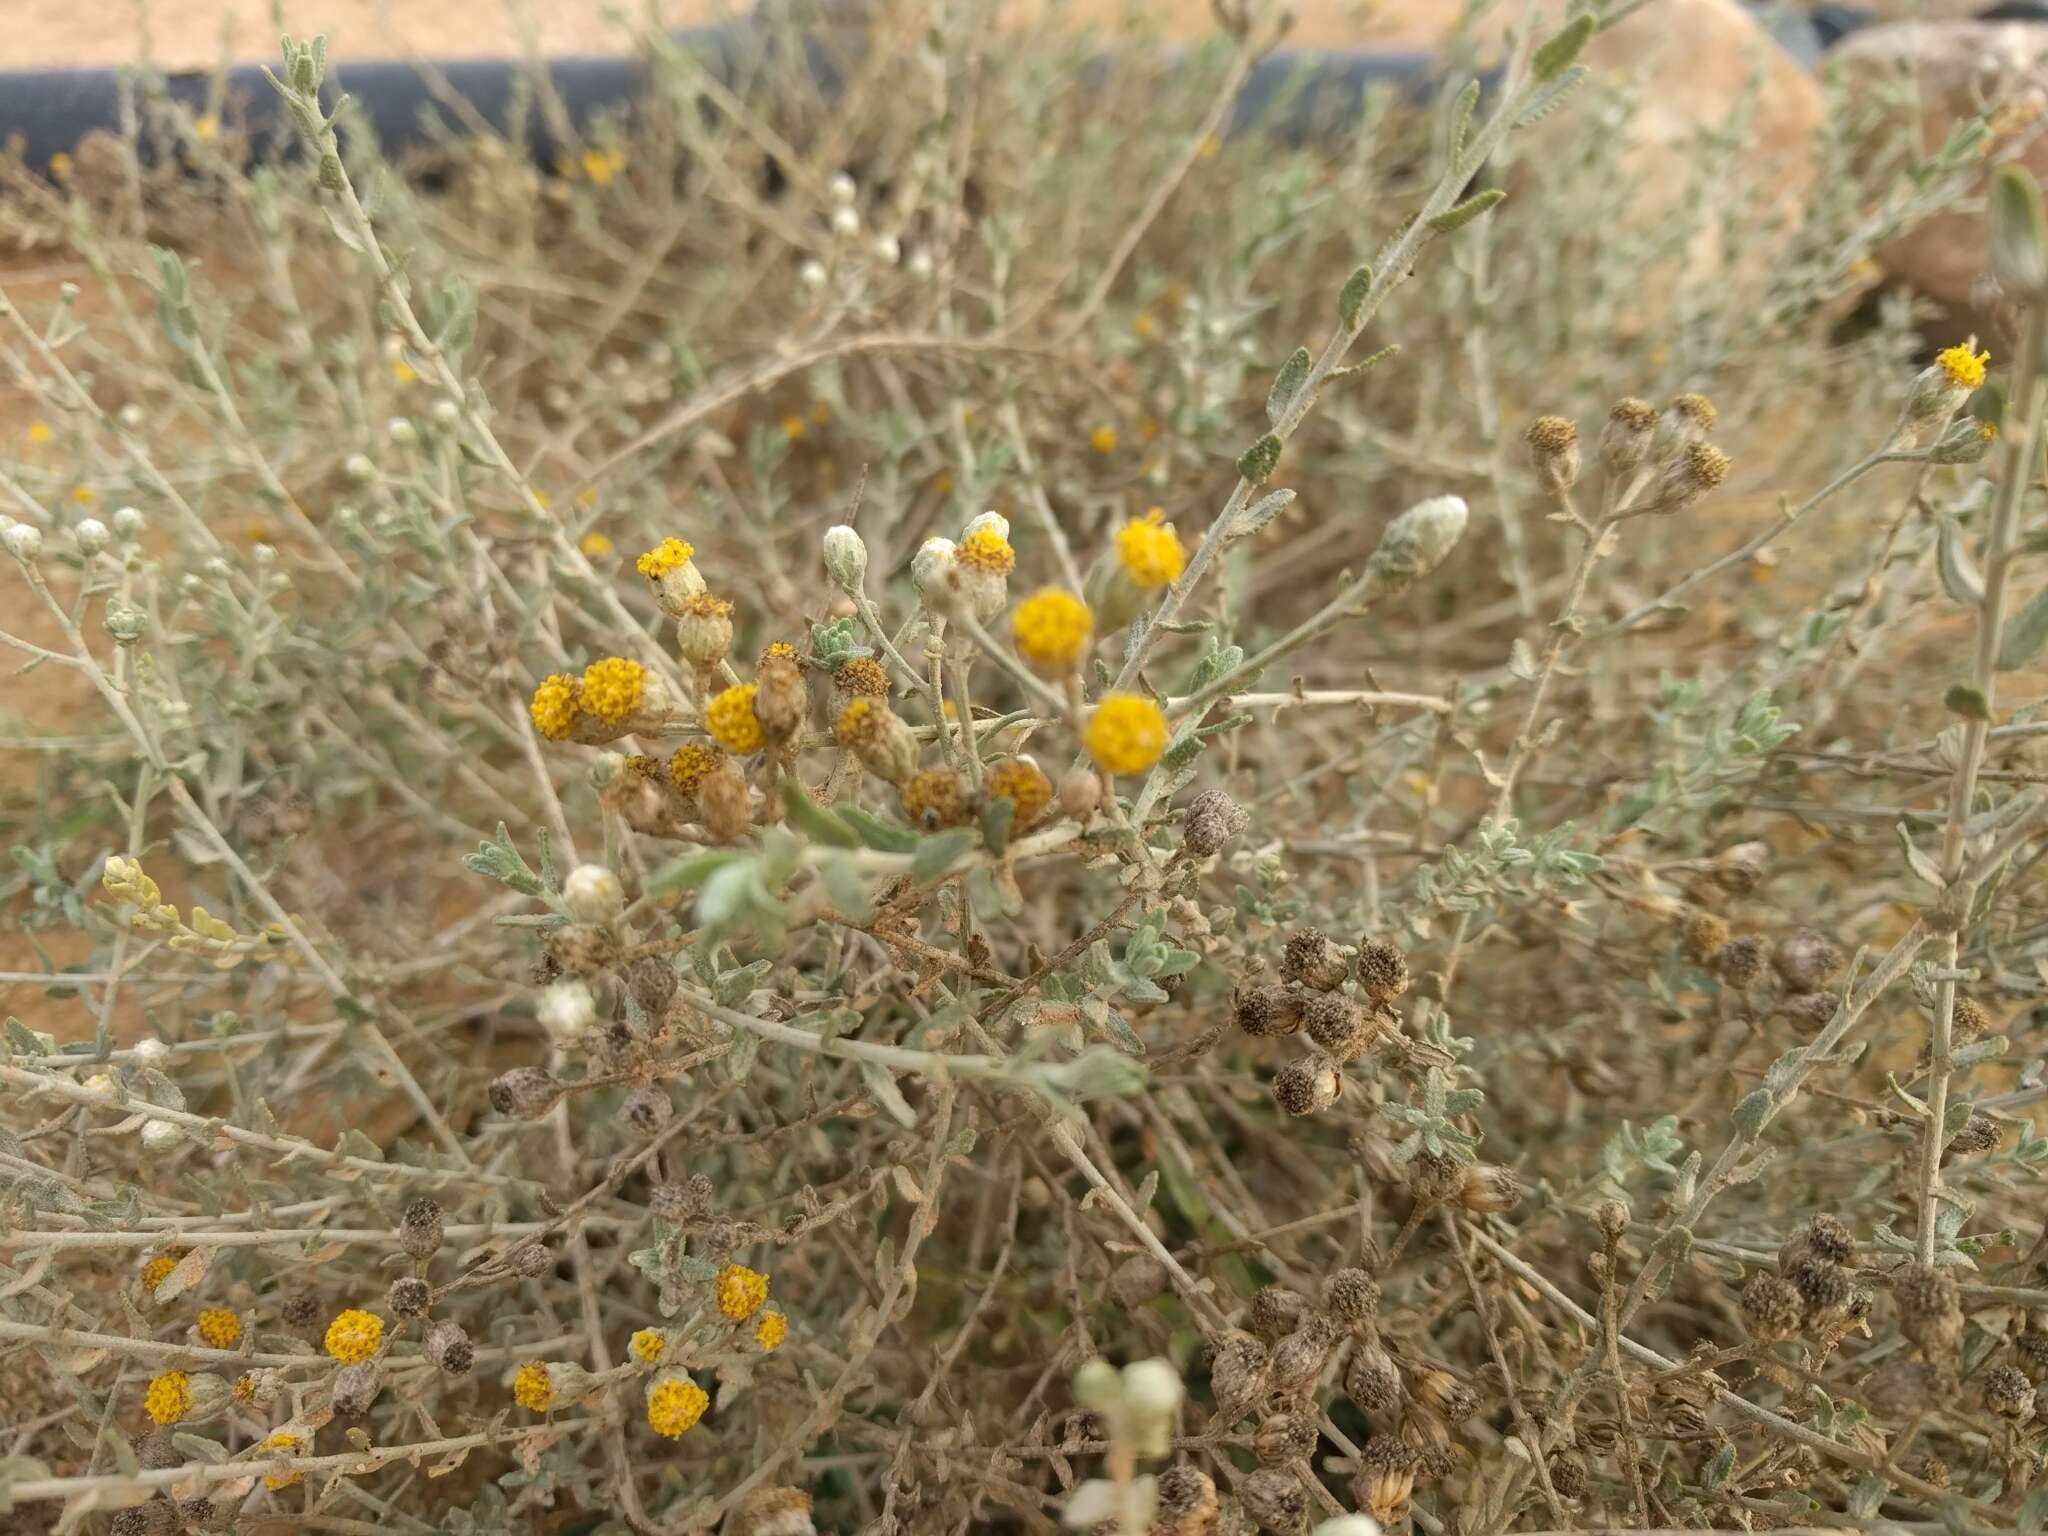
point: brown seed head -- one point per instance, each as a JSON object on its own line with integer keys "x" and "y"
{"x": 1352, "y": 1296}
{"x": 1382, "y": 969}
{"x": 448, "y": 1347}
{"x": 419, "y": 1229}
{"x": 409, "y": 1295}
{"x": 1313, "y": 959}
{"x": 524, "y": 1093}
{"x": 1740, "y": 964}
{"x": 862, "y": 677}
{"x": 1213, "y": 822}
{"x": 1268, "y": 1010}
{"x": 1307, "y": 1085}
{"x": 1705, "y": 934}
{"x": 1772, "y": 1308}
{"x": 935, "y": 799}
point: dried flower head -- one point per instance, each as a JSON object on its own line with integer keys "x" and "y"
{"x": 1341, "y": 1029}
{"x": 1213, "y": 822}
{"x": 524, "y": 1093}
{"x": 1705, "y": 934}
{"x": 1187, "y": 1502}
{"x": 1352, "y": 1296}
{"x": 1269, "y": 1010}
{"x": 780, "y": 697}
{"x": 1930, "y": 1310}
{"x": 1740, "y": 963}
{"x": 1307, "y": 1085}
{"x": 691, "y": 763}
{"x": 1554, "y": 451}
{"x": 862, "y": 677}
{"x": 935, "y": 799}
{"x": 354, "y": 1335}
{"x": 1382, "y": 969}
{"x": 448, "y": 1347}
{"x": 1626, "y": 437}
{"x": 419, "y": 1229}
{"x": 2008, "y": 1393}
{"x": 409, "y": 1296}
{"x": 1313, "y": 959}
{"x": 1807, "y": 961}
{"x": 704, "y": 629}
{"x": 1023, "y": 783}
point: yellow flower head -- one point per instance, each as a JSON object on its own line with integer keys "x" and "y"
{"x": 1103, "y": 440}
{"x": 169, "y": 1397}
{"x": 987, "y": 551}
{"x": 1962, "y": 367}
{"x": 648, "y": 1345}
{"x": 595, "y": 545}
{"x": 556, "y": 701}
{"x": 1149, "y": 551}
{"x": 1126, "y": 734}
{"x": 668, "y": 555}
{"x": 674, "y": 1405}
{"x": 531, "y": 1388}
{"x": 158, "y": 1269}
{"x": 601, "y": 165}
{"x": 354, "y": 1335}
{"x": 771, "y": 1331}
{"x": 219, "y": 1328}
{"x": 741, "y": 1291}
{"x": 692, "y": 762}
{"x": 613, "y": 688}
{"x": 1988, "y": 430}
{"x": 792, "y": 427}
{"x": 39, "y": 432}
{"x": 779, "y": 650}
{"x": 862, "y": 677}
{"x": 205, "y": 126}
{"x": 1051, "y": 628}
{"x": 285, "y": 1443}
{"x": 731, "y": 722}
{"x": 1024, "y": 784}
{"x": 245, "y": 1388}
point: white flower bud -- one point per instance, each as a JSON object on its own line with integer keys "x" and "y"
{"x": 920, "y": 267}
{"x": 841, "y": 190}
{"x": 92, "y": 536}
{"x": 929, "y": 570}
{"x": 887, "y": 251}
{"x": 567, "y": 1010}
{"x": 160, "y": 1135}
{"x": 1152, "y": 1388}
{"x": 446, "y": 412}
{"x": 592, "y": 894}
{"x": 811, "y": 275}
{"x": 1350, "y": 1525}
{"x": 402, "y": 432}
{"x": 1097, "y": 1387}
{"x": 359, "y": 468}
{"x": 131, "y": 416}
{"x": 845, "y": 223}
{"x": 23, "y": 541}
{"x": 846, "y": 557}
{"x": 151, "y": 1052}
{"x": 988, "y": 522}
{"x": 1418, "y": 541}
{"x": 129, "y": 523}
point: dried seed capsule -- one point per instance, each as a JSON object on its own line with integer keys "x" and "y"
{"x": 448, "y": 1347}
{"x": 524, "y": 1093}
{"x": 1443, "y": 1394}
{"x": 1382, "y": 969}
{"x": 1426, "y": 1437}
{"x": 1625, "y": 439}
{"x": 582, "y": 949}
{"x": 1275, "y": 1499}
{"x": 681, "y": 1204}
{"x": 1434, "y": 1177}
{"x": 1904, "y": 1389}
{"x": 877, "y": 736}
{"x": 1969, "y": 1021}
{"x": 1569, "y": 1474}
{"x": 1386, "y": 1478}
{"x": 652, "y": 982}
{"x": 1372, "y": 1381}
{"x": 1705, "y": 933}
{"x": 1979, "y": 1134}
{"x": 1352, "y": 1296}
{"x": 1138, "y": 1280}
{"x": 1824, "y": 1289}
{"x": 647, "y": 1110}
{"x": 419, "y": 1229}
{"x": 1339, "y": 1026}
{"x": 1307, "y": 1085}
{"x": 1275, "y": 1312}
{"x": 1187, "y": 1502}
{"x": 409, "y": 1295}
{"x": 1554, "y": 452}
{"x": 1810, "y": 1012}
{"x": 1238, "y": 1377}
{"x": 1930, "y": 1310}
{"x": 299, "y": 1309}
{"x": 780, "y": 698}
{"x": 1483, "y": 1188}
{"x": 1214, "y": 820}
{"x": 1299, "y": 1359}
{"x": 1829, "y": 1239}
{"x": 1262, "y": 1011}
{"x": 156, "y": 1452}
{"x": 936, "y": 799}
{"x": 1285, "y": 1438}
{"x": 1313, "y": 959}
{"x": 196, "y": 1513}
{"x": 2008, "y": 1393}
{"x": 1807, "y": 961}
{"x": 533, "y": 1260}
{"x": 1612, "y": 1218}
{"x": 1772, "y": 1308}
{"x": 724, "y": 806}
{"x": 1740, "y": 964}
{"x": 356, "y": 1387}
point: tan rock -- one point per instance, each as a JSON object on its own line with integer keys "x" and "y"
{"x": 1955, "y": 69}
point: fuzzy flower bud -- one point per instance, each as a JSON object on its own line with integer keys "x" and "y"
{"x": 592, "y": 894}
{"x": 846, "y": 558}
{"x": 672, "y": 574}
{"x": 1625, "y": 439}
{"x": 877, "y": 735}
{"x": 704, "y": 629}
{"x": 567, "y": 1010}
{"x": 92, "y": 536}
{"x": 1417, "y": 542}
{"x": 23, "y": 541}
{"x": 1698, "y": 469}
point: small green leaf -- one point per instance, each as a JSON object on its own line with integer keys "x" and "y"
{"x": 2025, "y": 633}
{"x": 1966, "y": 701}
{"x": 2019, "y": 233}
{"x": 1959, "y": 576}
{"x": 1454, "y": 219}
{"x": 806, "y": 815}
{"x": 936, "y": 855}
{"x": 1257, "y": 462}
{"x": 1287, "y": 384}
{"x": 882, "y": 836}
{"x": 1351, "y": 300}
{"x": 1562, "y": 51}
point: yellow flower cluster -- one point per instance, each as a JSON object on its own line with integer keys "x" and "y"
{"x": 531, "y": 1388}
{"x": 674, "y": 1405}
{"x": 354, "y": 1335}
{"x": 691, "y": 763}
{"x": 779, "y": 650}
{"x": 987, "y": 551}
{"x": 771, "y": 1331}
{"x": 556, "y": 701}
{"x": 1051, "y": 628}
{"x": 668, "y": 555}
{"x": 169, "y": 1397}
{"x": 730, "y": 720}
{"x": 595, "y": 545}
{"x": 158, "y": 1269}
{"x": 741, "y": 1291}
{"x": 613, "y": 688}
{"x": 648, "y": 1345}
{"x": 1962, "y": 367}
{"x": 1149, "y": 551}
{"x": 219, "y": 1328}
{"x": 288, "y": 1444}
{"x": 1126, "y": 734}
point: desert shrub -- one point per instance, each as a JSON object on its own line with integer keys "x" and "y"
{"x": 783, "y": 825}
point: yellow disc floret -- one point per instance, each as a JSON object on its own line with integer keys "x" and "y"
{"x": 169, "y": 1397}
{"x": 741, "y": 1291}
{"x": 1051, "y": 628}
{"x": 531, "y": 1388}
{"x": 862, "y": 677}
{"x": 731, "y": 722}
{"x": 613, "y": 688}
{"x": 595, "y": 545}
{"x": 771, "y": 1331}
{"x": 986, "y": 550}
{"x": 780, "y": 650}
{"x": 1962, "y": 367}
{"x": 1149, "y": 551}
{"x": 158, "y": 1269}
{"x": 556, "y": 702}
{"x": 668, "y": 555}
{"x": 284, "y": 1443}
{"x": 220, "y": 1328}
{"x": 674, "y": 1405}
{"x": 1126, "y": 734}
{"x": 692, "y": 763}
{"x": 1024, "y": 784}
{"x": 354, "y": 1335}
{"x": 648, "y": 1345}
